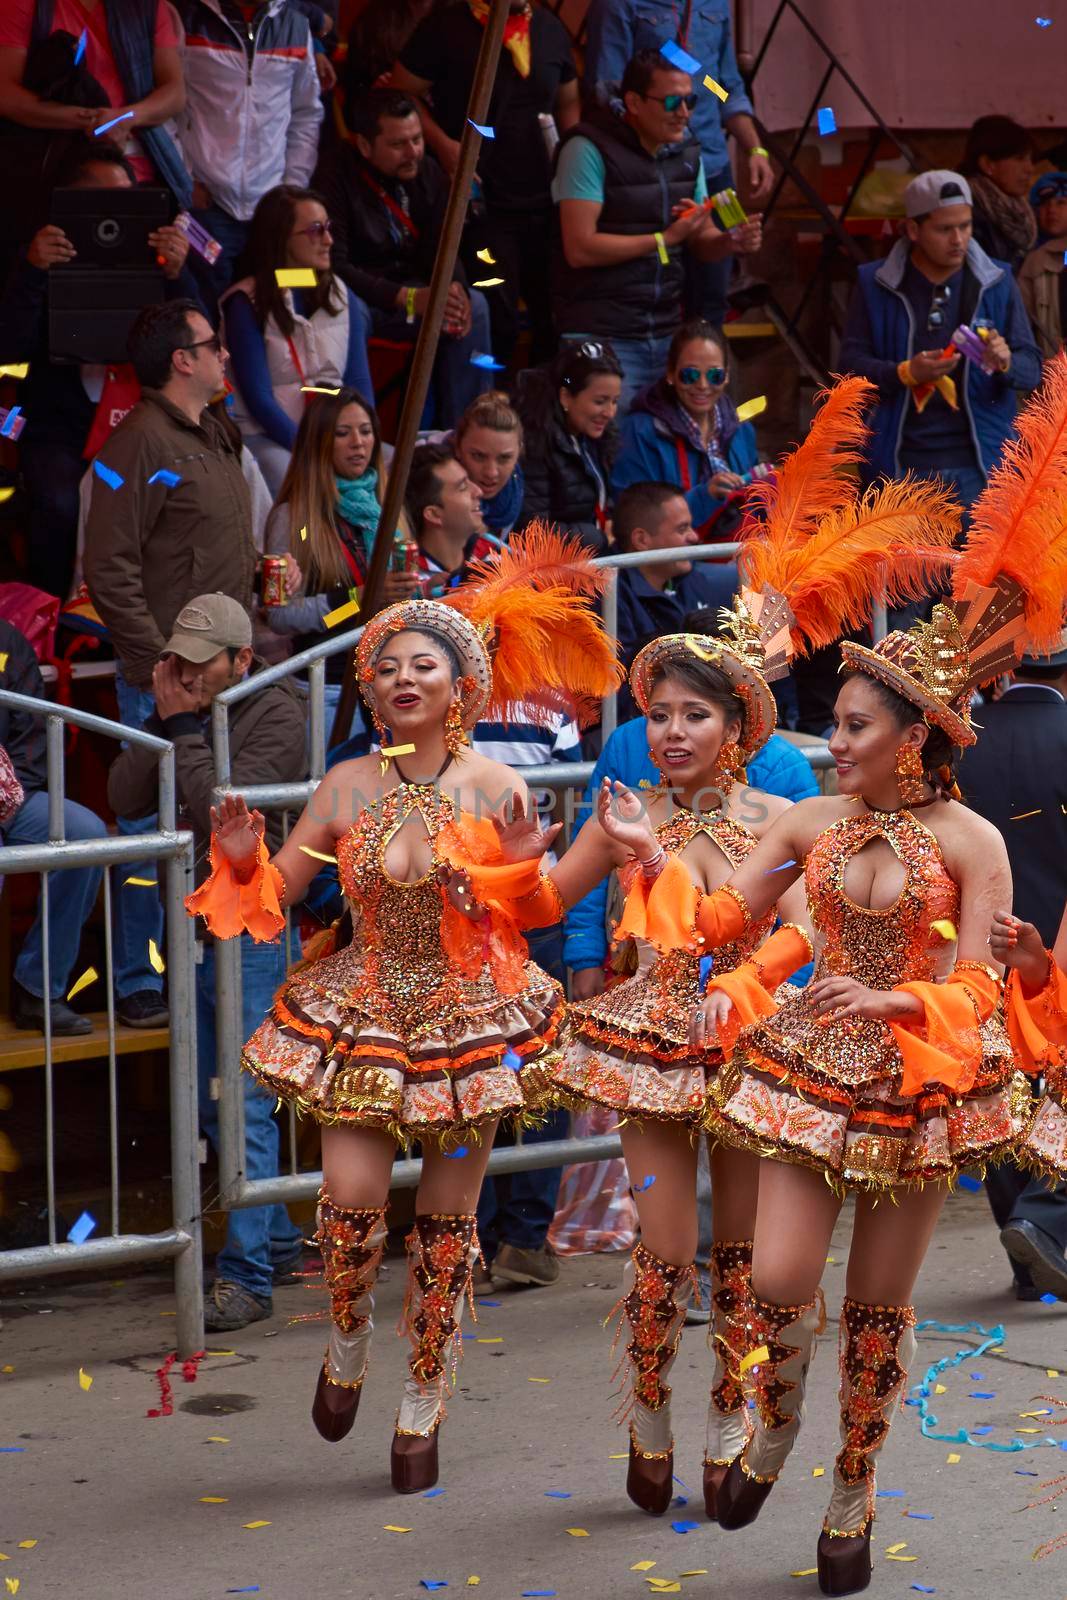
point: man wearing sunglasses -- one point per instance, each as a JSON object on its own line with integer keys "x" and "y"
{"x": 1042, "y": 280}
{"x": 939, "y": 415}
{"x": 630, "y": 187}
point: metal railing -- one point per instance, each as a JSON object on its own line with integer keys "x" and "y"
{"x": 181, "y": 1241}
{"x": 236, "y": 1190}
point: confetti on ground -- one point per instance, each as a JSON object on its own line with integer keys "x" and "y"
{"x": 433, "y": 1583}
{"x": 578, "y": 1533}
{"x": 818, "y": 1472}
{"x": 295, "y": 277}
{"x": 945, "y": 928}
{"x": 341, "y": 613}
{"x": 486, "y": 362}
{"x": 170, "y": 480}
{"x": 12, "y": 1585}
{"x": 141, "y": 883}
{"x": 20, "y": 369}
{"x": 953, "y": 1459}
{"x": 673, "y": 52}
{"x": 923, "y": 1588}
{"x": 889, "y": 1494}
{"x": 104, "y": 127}
{"x": 318, "y": 855}
{"x": 804, "y": 1572}
{"x": 391, "y": 1527}
{"x": 716, "y": 88}
{"x": 971, "y": 1184}
{"x": 754, "y": 1357}
{"x": 487, "y": 256}
{"x": 983, "y": 1394}
{"x": 84, "y": 1379}
{"x": 539, "y": 1380}
{"x": 431, "y": 1494}
{"x": 12, "y": 1449}
{"x": 1050, "y": 1372}
{"x": 831, "y": 1261}
{"x": 1049, "y": 1299}
{"x": 256, "y": 1524}
{"x": 684, "y": 1527}
{"x": 1021, "y": 1472}
{"x": 214, "y": 1500}
{"x": 457, "y": 1155}
{"x": 646, "y": 1183}
{"x": 920, "y": 1516}
{"x": 496, "y": 1339}
{"x": 473, "y": 1580}
{"x": 81, "y": 1229}
{"x": 980, "y": 1433}
{"x": 895, "y": 1549}
{"x": 480, "y": 127}
{"x": 642, "y": 1566}
{"x": 826, "y": 120}
{"x": 397, "y": 750}
{"x": 753, "y": 408}
{"x": 902, "y": 1558}
{"x": 27, "y": 1544}
{"x": 493, "y": 1303}
{"x": 488, "y": 283}
{"x": 939, "y": 1388}
{"x": 114, "y": 480}
{"x": 250, "y": 1588}
{"x": 216, "y": 1438}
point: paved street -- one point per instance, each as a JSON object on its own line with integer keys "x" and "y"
{"x": 115, "y": 1502}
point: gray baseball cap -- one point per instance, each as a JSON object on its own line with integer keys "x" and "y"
{"x": 208, "y": 624}
{"x": 933, "y": 189}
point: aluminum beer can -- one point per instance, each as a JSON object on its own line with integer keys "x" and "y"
{"x": 274, "y": 580}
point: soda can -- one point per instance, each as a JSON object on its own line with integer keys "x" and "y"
{"x": 274, "y": 580}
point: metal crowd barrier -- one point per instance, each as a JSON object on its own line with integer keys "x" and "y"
{"x": 180, "y": 1242}
{"x": 235, "y": 1189}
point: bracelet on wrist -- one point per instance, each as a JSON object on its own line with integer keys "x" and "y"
{"x": 760, "y": 150}
{"x": 409, "y": 305}
{"x": 655, "y": 864}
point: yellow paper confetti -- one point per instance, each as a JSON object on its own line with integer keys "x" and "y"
{"x": 1019, "y": 815}
{"x": 141, "y": 883}
{"x": 818, "y": 1472}
{"x": 895, "y": 1549}
{"x": 5, "y": 494}
{"x": 623, "y": 1457}
{"x": 220, "y": 1352}
{"x": 1050, "y": 1372}
{"x": 831, "y": 1261}
{"x": 578, "y": 1533}
{"x": 397, "y": 750}
{"x": 804, "y": 1572}
{"x": 89, "y": 976}
{"x": 7, "y": 1369}
{"x": 315, "y": 388}
{"x": 497, "y": 1340}
{"x": 216, "y": 1438}
{"x": 488, "y": 283}
{"x": 84, "y": 1379}
{"x": 156, "y": 960}
{"x": 939, "y": 1388}
{"x": 1028, "y": 1430}
{"x": 664, "y": 1586}
{"x": 754, "y": 1357}
{"x": 539, "y": 1380}
{"x": 945, "y": 928}
{"x": 341, "y": 613}
{"x": 953, "y": 1459}
{"x": 723, "y": 94}
{"x": 12, "y": 1585}
{"x": 255, "y": 1524}
{"x": 487, "y": 256}
{"x": 695, "y": 1572}
{"x": 1028, "y": 1414}
{"x": 902, "y": 1558}
{"x": 391, "y": 1527}
{"x": 303, "y": 535}
{"x": 752, "y": 408}
{"x": 642, "y": 1566}
{"x": 295, "y": 277}
{"x": 220, "y": 1500}
{"x": 27, "y": 1544}
{"x": 318, "y": 855}
{"x": 473, "y": 1580}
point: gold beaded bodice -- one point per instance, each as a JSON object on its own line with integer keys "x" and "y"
{"x": 896, "y": 944}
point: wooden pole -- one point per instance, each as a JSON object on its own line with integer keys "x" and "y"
{"x": 426, "y": 344}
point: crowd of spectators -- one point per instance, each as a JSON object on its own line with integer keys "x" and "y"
{"x": 591, "y": 285}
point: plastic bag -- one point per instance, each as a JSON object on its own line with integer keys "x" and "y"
{"x": 595, "y": 1211}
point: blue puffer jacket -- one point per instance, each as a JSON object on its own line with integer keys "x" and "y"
{"x": 880, "y": 333}
{"x": 779, "y": 768}
{"x": 654, "y": 448}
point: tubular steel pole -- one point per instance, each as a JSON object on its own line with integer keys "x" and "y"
{"x": 428, "y": 340}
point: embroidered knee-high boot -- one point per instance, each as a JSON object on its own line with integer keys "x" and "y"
{"x": 442, "y": 1251}
{"x": 729, "y": 1425}
{"x": 789, "y": 1334}
{"x": 656, "y": 1295}
{"x": 877, "y": 1348}
{"x": 352, "y": 1243}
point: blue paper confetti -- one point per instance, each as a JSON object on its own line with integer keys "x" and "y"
{"x": 678, "y": 57}
{"x": 971, "y": 1184}
{"x": 557, "y": 1494}
{"x": 826, "y": 120}
{"x": 253, "y": 1588}
{"x": 923, "y": 1588}
{"x": 80, "y": 51}
{"x": 489, "y": 1302}
{"x": 782, "y": 868}
{"x": 706, "y": 965}
{"x": 479, "y": 359}
{"x": 8, "y": 426}
{"x": 538, "y": 1594}
{"x": 457, "y": 1155}
{"x": 980, "y": 1433}
{"x": 12, "y": 1449}
{"x": 433, "y": 1583}
{"x": 684, "y": 1527}
{"x": 646, "y": 1184}
{"x": 1022, "y": 1472}
{"x": 1043, "y": 22}
{"x": 431, "y": 1494}
{"x": 976, "y": 1377}
{"x": 486, "y": 133}
{"x": 114, "y": 480}
{"x": 124, "y": 116}
{"x": 983, "y": 1394}
{"x": 1049, "y": 1299}
{"x": 889, "y": 1494}
{"x": 171, "y": 479}
{"x": 680, "y": 1500}
{"x": 920, "y": 1516}
{"x": 81, "y": 1229}
{"x": 512, "y": 1059}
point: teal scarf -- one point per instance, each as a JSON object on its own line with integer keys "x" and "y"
{"x": 357, "y": 501}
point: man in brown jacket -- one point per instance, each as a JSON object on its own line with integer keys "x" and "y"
{"x": 169, "y": 517}
{"x": 209, "y": 651}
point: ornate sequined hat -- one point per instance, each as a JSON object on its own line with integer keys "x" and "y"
{"x": 752, "y": 649}
{"x": 440, "y": 621}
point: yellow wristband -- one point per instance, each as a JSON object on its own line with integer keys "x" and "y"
{"x": 760, "y": 150}
{"x": 409, "y": 305}
{"x": 664, "y": 253}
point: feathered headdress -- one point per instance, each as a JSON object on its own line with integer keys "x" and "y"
{"x": 1008, "y": 583}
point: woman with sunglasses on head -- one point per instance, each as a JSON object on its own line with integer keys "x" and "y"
{"x": 283, "y": 340}
{"x": 568, "y": 414}
{"x": 684, "y": 429}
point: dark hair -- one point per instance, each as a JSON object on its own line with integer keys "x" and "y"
{"x": 638, "y": 506}
{"x": 641, "y": 69}
{"x": 424, "y": 485}
{"x": 375, "y": 42}
{"x": 370, "y": 109}
{"x": 940, "y": 756}
{"x": 695, "y": 328}
{"x": 996, "y": 138}
{"x": 266, "y": 250}
{"x": 154, "y": 337}
{"x": 83, "y": 152}
{"x": 537, "y": 394}
{"x": 577, "y": 365}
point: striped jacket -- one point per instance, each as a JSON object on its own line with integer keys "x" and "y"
{"x": 252, "y": 109}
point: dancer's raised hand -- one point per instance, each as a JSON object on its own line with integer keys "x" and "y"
{"x": 522, "y": 838}
{"x": 623, "y": 816}
{"x": 237, "y": 830}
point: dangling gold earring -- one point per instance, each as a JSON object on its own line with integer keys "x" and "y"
{"x": 383, "y": 741}
{"x": 455, "y": 734}
{"x": 728, "y": 766}
{"x": 908, "y": 768}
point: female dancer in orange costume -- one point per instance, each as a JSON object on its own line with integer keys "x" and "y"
{"x": 891, "y": 1071}
{"x": 412, "y": 1030}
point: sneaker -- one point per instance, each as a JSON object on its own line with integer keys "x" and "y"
{"x": 145, "y": 1008}
{"x": 230, "y": 1305}
{"x": 514, "y": 1265}
{"x": 27, "y": 1011}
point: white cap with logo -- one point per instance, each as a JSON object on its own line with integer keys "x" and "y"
{"x": 208, "y": 624}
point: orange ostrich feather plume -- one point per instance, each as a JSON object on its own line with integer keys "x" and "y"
{"x": 1019, "y": 522}
{"x": 549, "y": 650}
{"x": 809, "y": 483}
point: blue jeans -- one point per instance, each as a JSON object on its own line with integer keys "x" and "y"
{"x": 257, "y": 1237}
{"x": 71, "y": 895}
{"x": 708, "y": 282}
{"x": 138, "y": 912}
{"x": 456, "y": 382}
{"x": 518, "y": 1208}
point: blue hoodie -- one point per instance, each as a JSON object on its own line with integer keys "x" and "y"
{"x": 656, "y": 447}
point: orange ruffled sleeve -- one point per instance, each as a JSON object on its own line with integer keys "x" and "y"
{"x": 752, "y": 985}
{"x": 1037, "y": 1023}
{"x": 515, "y": 895}
{"x": 230, "y": 907}
{"x": 945, "y": 1045}
{"x": 670, "y": 912}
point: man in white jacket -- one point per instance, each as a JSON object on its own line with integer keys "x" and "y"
{"x": 252, "y": 111}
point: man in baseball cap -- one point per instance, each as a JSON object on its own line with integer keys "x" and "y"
{"x": 209, "y": 650}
